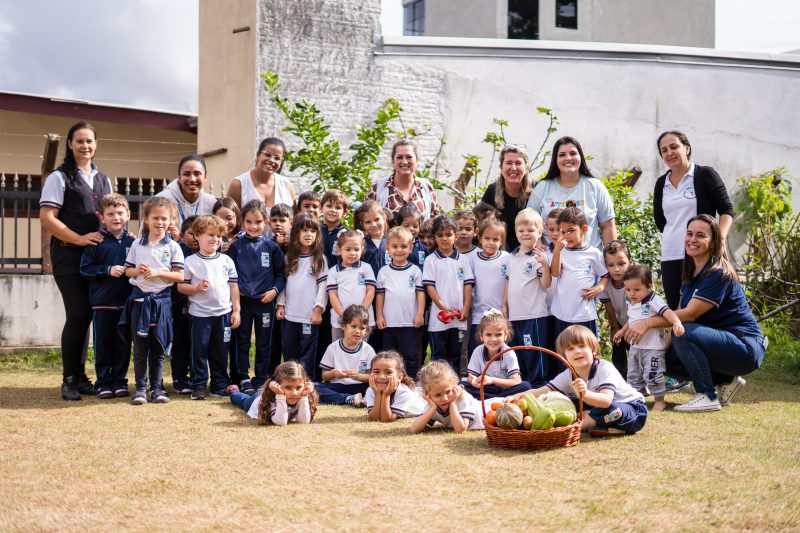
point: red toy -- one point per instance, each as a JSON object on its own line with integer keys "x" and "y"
{"x": 448, "y": 316}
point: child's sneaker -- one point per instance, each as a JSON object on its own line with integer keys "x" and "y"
{"x": 217, "y": 393}
{"x": 105, "y": 393}
{"x": 199, "y": 393}
{"x": 247, "y": 387}
{"x": 699, "y": 403}
{"x": 230, "y": 389}
{"x": 354, "y": 399}
{"x": 674, "y": 385}
{"x": 139, "y": 397}
{"x": 159, "y": 396}
{"x": 121, "y": 392}
{"x": 729, "y": 390}
{"x": 182, "y": 388}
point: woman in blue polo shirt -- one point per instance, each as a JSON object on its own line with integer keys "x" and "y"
{"x": 722, "y": 341}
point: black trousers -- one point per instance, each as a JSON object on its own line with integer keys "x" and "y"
{"x": 671, "y": 277}
{"x": 75, "y": 294}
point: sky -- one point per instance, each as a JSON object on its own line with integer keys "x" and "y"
{"x": 144, "y": 53}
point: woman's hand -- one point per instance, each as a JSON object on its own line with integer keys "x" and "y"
{"x": 636, "y": 331}
{"x": 90, "y": 239}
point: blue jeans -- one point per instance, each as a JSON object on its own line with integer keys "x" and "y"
{"x": 245, "y": 401}
{"x": 495, "y": 391}
{"x": 711, "y": 356}
{"x": 337, "y": 393}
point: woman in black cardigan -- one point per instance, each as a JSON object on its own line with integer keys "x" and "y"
{"x": 685, "y": 191}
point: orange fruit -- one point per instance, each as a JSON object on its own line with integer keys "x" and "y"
{"x": 496, "y": 405}
{"x": 491, "y": 418}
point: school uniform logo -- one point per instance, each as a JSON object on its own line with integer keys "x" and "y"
{"x": 387, "y": 258}
{"x": 587, "y": 266}
{"x": 460, "y": 273}
{"x": 127, "y": 250}
{"x": 266, "y": 319}
{"x": 226, "y": 336}
{"x": 526, "y": 339}
{"x": 362, "y": 367}
{"x": 362, "y": 279}
{"x": 411, "y": 282}
{"x": 528, "y": 270}
{"x": 503, "y": 271}
{"x": 164, "y": 257}
{"x": 460, "y": 335}
{"x": 310, "y": 273}
{"x": 689, "y": 193}
{"x": 306, "y": 329}
{"x": 421, "y": 256}
{"x": 646, "y": 309}
{"x": 265, "y": 259}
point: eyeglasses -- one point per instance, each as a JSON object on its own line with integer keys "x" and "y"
{"x": 269, "y": 155}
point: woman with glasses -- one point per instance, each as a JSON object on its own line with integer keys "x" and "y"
{"x": 509, "y": 194}
{"x": 263, "y": 181}
{"x": 569, "y": 178}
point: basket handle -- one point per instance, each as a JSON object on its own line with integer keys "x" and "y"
{"x": 539, "y": 348}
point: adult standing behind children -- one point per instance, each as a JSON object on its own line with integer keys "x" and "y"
{"x": 722, "y": 340}
{"x": 510, "y": 193}
{"x": 569, "y": 179}
{"x": 68, "y": 209}
{"x": 403, "y": 187}
{"x": 262, "y": 182}
{"x": 187, "y": 192}
{"x": 684, "y": 191}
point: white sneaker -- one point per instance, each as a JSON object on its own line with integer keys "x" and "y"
{"x": 699, "y": 403}
{"x": 729, "y": 390}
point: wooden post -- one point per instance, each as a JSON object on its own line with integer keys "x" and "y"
{"x": 48, "y": 164}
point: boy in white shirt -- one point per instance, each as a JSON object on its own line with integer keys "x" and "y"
{"x": 618, "y": 259}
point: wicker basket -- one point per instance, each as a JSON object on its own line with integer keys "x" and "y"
{"x": 560, "y": 437}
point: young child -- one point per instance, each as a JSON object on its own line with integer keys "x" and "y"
{"x": 618, "y": 259}
{"x": 302, "y": 302}
{"x": 400, "y": 300}
{"x": 104, "y": 266}
{"x": 467, "y": 229}
{"x": 503, "y": 377}
{"x": 426, "y": 235}
{"x": 371, "y": 219}
{"x": 180, "y": 354}
{"x": 447, "y": 277}
{"x": 229, "y": 212}
{"x": 153, "y": 264}
{"x": 351, "y": 282}
{"x": 646, "y": 363}
{"x": 309, "y": 202}
{"x": 188, "y": 243}
{"x": 448, "y": 403}
{"x": 581, "y": 271}
{"x": 345, "y": 365}
{"x": 489, "y": 266}
{"x": 288, "y": 396}
{"x": 483, "y": 212}
{"x": 335, "y": 207}
{"x": 410, "y": 218}
{"x": 391, "y": 394}
{"x": 280, "y": 224}
{"x": 210, "y": 282}
{"x": 525, "y": 298}
{"x": 551, "y": 235}
{"x": 260, "y": 265}
{"x": 615, "y": 408}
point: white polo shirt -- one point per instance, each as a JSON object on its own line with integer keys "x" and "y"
{"x": 618, "y": 299}
{"x": 581, "y": 268}
{"x": 449, "y": 275}
{"x": 502, "y": 368}
{"x": 490, "y": 282}
{"x": 650, "y": 306}
{"x": 220, "y": 272}
{"x": 468, "y": 407}
{"x": 337, "y": 355}
{"x": 603, "y": 376}
{"x": 350, "y": 284}
{"x": 527, "y": 299}
{"x": 165, "y": 254}
{"x": 304, "y": 291}
{"x": 399, "y": 286}
{"x": 679, "y": 205}
{"x": 405, "y": 402}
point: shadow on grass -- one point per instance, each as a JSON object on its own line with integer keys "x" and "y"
{"x": 481, "y": 446}
{"x": 380, "y": 430}
{"x": 12, "y": 398}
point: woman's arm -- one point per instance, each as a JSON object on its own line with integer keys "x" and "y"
{"x": 49, "y": 220}
{"x": 235, "y": 192}
{"x": 608, "y": 230}
{"x": 695, "y": 309}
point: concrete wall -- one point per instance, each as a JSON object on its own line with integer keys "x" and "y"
{"x": 32, "y": 314}
{"x": 473, "y": 18}
{"x": 227, "y": 85}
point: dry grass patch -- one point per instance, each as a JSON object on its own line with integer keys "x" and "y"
{"x": 94, "y": 465}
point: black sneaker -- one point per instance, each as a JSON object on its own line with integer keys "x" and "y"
{"x": 69, "y": 389}
{"x": 105, "y": 393}
{"x": 121, "y": 392}
{"x": 198, "y": 393}
{"x": 247, "y": 387}
{"x": 159, "y": 396}
{"x": 85, "y": 386}
{"x": 182, "y": 388}
{"x": 139, "y": 397}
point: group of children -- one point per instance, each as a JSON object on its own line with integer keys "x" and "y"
{"x": 363, "y": 306}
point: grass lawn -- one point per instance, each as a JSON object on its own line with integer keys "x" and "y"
{"x": 95, "y": 465}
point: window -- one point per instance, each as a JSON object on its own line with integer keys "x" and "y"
{"x": 567, "y": 14}
{"x": 414, "y": 18}
{"x": 523, "y": 19}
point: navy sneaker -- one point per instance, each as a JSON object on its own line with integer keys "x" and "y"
{"x": 198, "y": 393}
{"x": 159, "y": 396}
{"x": 182, "y": 388}
{"x": 247, "y": 387}
{"x": 121, "y": 392}
{"x": 217, "y": 393}
{"x": 674, "y": 385}
{"x": 105, "y": 393}
{"x": 139, "y": 397}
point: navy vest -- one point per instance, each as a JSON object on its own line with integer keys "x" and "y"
{"x": 80, "y": 213}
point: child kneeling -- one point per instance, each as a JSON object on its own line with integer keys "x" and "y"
{"x": 288, "y": 396}
{"x": 448, "y": 402}
{"x": 615, "y": 408}
{"x": 346, "y": 362}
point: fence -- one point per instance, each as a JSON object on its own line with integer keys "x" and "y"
{"x": 21, "y": 234}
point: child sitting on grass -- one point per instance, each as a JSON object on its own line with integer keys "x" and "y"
{"x": 391, "y": 394}
{"x": 615, "y": 408}
{"x": 288, "y": 396}
{"x": 345, "y": 364}
{"x": 448, "y": 402}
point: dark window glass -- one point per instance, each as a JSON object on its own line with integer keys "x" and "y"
{"x": 414, "y": 18}
{"x": 523, "y": 19}
{"x": 567, "y": 14}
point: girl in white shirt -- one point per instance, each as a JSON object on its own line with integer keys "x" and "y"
{"x": 288, "y": 396}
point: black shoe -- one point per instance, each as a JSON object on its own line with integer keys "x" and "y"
{"x": 199, "y": 393}
{"x": 182, "y": 388}
{"x": 85, "y": 386}
{"x": 69, "y": 389}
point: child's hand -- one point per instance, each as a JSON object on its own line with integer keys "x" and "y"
{"x": 203, "y": 286}
{"x": 308, "y": 388}
{"x": 269, "y": 296}
{"x": 143, "y": 269}
{"x": 236, "y": 319}
{"x": 281, "y": 238}
{"x": 579, "y": 386}
{"x": 475, "y": 381}
{"x": 280, "y": 312}
{"x": 372, "y": 384}
{"x": 150, "y": 273}
{"x": 617, "y": 337}
{"x": 380, "y": 322}
{"x": 430, "y": 401}
{"x": 591, "y": 292}
{"x": 455, "y": 392}
{"x": 464, "y": 314}
{"x": 419, "y": 320}
{"x": 560, "y": 244}
{"x": 224, "y": 247}
{"x": 392, "y": 385}
{"x": 316, "y": 316}
{"x": 174, "y": 231}
{"x": 677, "y": 329}
{"x": 275, "y": 387}
{"x": 339, "y": 373}
{"x": 541, "y": 258}
{"x": 116, "y": 271}
{"x": 488, "y": 380}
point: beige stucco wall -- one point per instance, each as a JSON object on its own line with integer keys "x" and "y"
{"x": 228, "y": 84}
